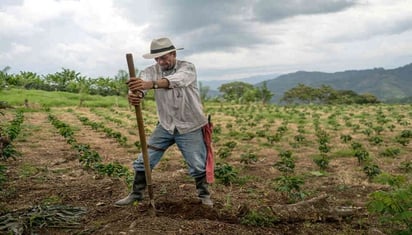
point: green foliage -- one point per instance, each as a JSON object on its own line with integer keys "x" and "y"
{"x": 112, "y": 169}
{"x": 376, "y": 140}
{"x": 226, "y": 173}
{"x": 346, "y": 138}
{"x": 406, "y": 166}
{"x": 262, "y": 218}
{"x": 241, "y": 92}
{"x": 224, "y": 152}
{"x": 395, "y": 181}
{"x": 302, "y": 93}
{"x": 16, "y": 97}
{"x": 321, "y": 161}
{"x": 3, "y": 176}
{"x": 406, "y": 134}
{"x": 88, "y": 158}
{"x": 393, "y": 208}
{"x": 371, "y": 170}
{"x": 233, "y": 91}
{"x": 230, "y": 144}
{"x": 248, "y": 158}
{"x": 286, "y": 164}
{"x": 10, "y": 133}
{"x": 291, "y": 185}
{"x": 390, "y": 152}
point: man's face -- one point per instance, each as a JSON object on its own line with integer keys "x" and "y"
{"x": 167, "y": 61}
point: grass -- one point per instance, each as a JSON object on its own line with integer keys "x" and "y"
{"x": 16, "y": 97}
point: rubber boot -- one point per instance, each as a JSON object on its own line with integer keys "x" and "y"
{"x": 203, "y": 192}
{"x": 139, "y": 185}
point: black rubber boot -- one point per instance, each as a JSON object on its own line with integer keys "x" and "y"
{"x": 202, "y": 190}
{"x": 139, "y": 185}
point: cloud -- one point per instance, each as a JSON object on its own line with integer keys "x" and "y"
{"x": 269, "y": 11}
{"x": 229, "y": 25}
{"x": 225, "y": 39}
{"x": 80, "y": 35}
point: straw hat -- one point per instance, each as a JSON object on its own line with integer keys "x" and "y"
{"x": 159, "y": 47}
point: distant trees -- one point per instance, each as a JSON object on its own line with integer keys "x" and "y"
{"x": 241, "y": 92}
{"x": 66, "y": 80}
{"x": 325, "y": 95}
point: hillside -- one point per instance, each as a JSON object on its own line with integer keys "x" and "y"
{"x": 384, "y": 84}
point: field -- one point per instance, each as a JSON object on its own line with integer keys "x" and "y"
{"x": 279, "y": 170}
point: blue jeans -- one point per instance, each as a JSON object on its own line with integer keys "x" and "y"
{"x": 191, "y": 145}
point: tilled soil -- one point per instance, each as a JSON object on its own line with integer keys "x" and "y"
{"x": 48, "y": 173}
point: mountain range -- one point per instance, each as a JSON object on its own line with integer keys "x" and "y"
{"x": 385, "y": 84}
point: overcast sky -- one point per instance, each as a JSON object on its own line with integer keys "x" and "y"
{"x": 224, "y": 39}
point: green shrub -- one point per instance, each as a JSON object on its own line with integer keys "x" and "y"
{"x": 393, "y": 208}
{"x": 225, "y": 173}
{"x": 259, "y": 218}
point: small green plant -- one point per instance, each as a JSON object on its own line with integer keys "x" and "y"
{"x": 288, "y": 183}
{"x": 406, "y": 166}
{"x": 321, "y": 161}
{"x": 390, "y": 152}
{"x": 226, "y": 173}
{"x": 274, "y": 138}
{"x": 371, "y": 170}
{"x": 89, "y": 158}
{"x": 346, "y": 138}
{"x": 286, "y": 164}
{"x": 112, "y": 169}
{"x": 224, "y": 152}
{"x": 230, "y": 144}
{"x": 291, "y": 185}
{"x": 395, "y": 181}
{"x": 362, "y": 155}
{"x": 248, "y": 158}
{"x": 262, "y": 218}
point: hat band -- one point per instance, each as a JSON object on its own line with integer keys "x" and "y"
{"x": 154, "y": 51}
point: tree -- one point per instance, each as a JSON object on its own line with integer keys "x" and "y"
{"x": 65, "y": 80}
{"x": 300, "y": 93}
{"x": 264, "y": 94}
{"x": 234, "y": 91}
{"x": 119, "y": 84}
{"x": 326, "y": 95}
{"x": 203, "y": 90}
{"x": 4, "y": 77}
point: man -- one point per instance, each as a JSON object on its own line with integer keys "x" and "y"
{"x": 180, "y": 114}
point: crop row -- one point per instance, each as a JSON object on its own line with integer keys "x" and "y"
{"x": 7, "y": 136}
{"x": 89, "y": 158}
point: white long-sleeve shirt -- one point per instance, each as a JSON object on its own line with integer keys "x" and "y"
{"x": 179, "y": 106}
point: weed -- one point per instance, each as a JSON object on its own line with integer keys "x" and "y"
{"x": 263, "y": 218}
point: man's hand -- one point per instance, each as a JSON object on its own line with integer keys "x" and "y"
{"x": 135, "y": 84}
{"x": 135, "y": 98}
{"x": 136, "y": 87}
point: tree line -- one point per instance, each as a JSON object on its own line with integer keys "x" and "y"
{"x": 236, "y": 92}
{"x": 66, "y": 80}
{"x": 240, "y": 92}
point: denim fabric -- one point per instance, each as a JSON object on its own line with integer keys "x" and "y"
{"x": 190, "y": 144}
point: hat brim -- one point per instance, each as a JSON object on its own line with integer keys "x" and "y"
{"x": 155, "y": 55}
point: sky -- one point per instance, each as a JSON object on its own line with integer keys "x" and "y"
{"x": 225, "y": 40}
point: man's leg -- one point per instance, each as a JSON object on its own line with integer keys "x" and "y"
{"x": 194, "y": 151}
{"x": 159, "y": 141}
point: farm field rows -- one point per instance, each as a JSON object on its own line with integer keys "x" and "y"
{"x": 279, "y": 170}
